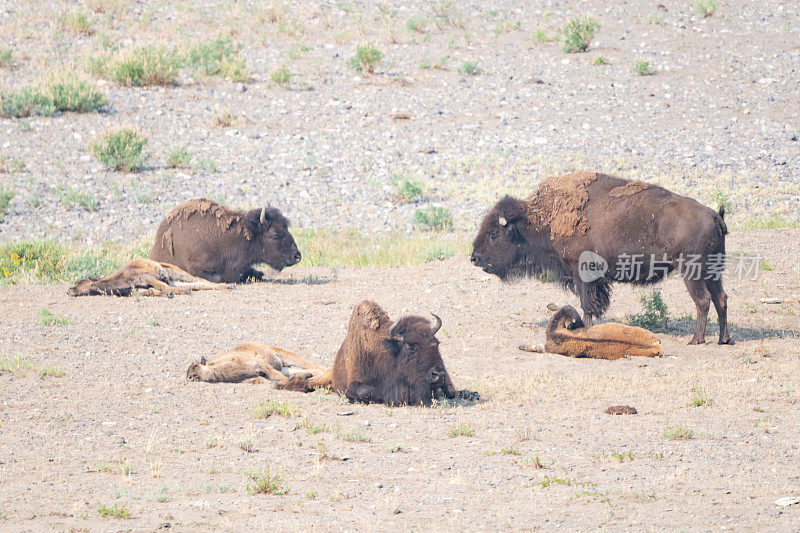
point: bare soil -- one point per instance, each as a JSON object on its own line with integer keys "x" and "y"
{"x": 124, "y": 427}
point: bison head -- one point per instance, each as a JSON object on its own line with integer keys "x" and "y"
{"x": 420, "y": 375}
{"x": 83, "y": 288}
{"x": 195, "y": 370}
{"x": 275, "y": 245}
{"x": 500, "y": 247}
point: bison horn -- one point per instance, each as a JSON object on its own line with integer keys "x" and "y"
{"x": 502, "y": 221}
{"x": 438, "y": 324}
{"x": 393, "y": 334}
{"x": 263, "y": 215}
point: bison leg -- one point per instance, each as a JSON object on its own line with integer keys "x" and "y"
{"x": 720, "y": 300}
{"x": 595, "y": 299}
{"x": 702, "y": 301}
{"x": 159, "y": 285}
{"x": 251, "y": 274}
{"x": 358, "y": 392}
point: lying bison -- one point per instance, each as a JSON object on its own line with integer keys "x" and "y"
{"x": 589, "y": 230}
{"x": 381, "y": 362}
{"x": 567, "y": 335}
{"x": 252, "y": 362}
{"x": 155, "y": 279}
{"x": 221, "y": 244}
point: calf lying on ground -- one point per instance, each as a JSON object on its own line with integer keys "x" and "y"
{"x": 157, "y": 279}
{"x": 252, "y": 362}
{"x": 382, "y": 362}
{"x": 566, "y": 335}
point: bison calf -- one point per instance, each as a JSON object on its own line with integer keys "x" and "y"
{"x": 567, "y": 335}
{"x": 252, "y": 362}
{"x": 156, "y": 279}
{"x": 221, "y": 244}
{"x": 589, "y": 230}
{"x": 382, "y": 362}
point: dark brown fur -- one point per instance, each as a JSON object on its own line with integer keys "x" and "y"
{"x": 380, "y": 362}
{"x": 611, "y": 217}
{"x": 155, "y": 279}
{"x": 221, "y": 244}
{"x": 567, "y": 335}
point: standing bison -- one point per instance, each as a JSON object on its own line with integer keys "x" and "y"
{"x": 381, "y": 362}
{"x": 589, "y": 230}
{"x": 221, "y": 244}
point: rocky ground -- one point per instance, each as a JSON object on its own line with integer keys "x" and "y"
{"x": 718, "y": 116}
{"x": 122, "y": 427}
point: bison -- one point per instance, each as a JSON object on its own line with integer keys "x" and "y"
{"x": 589, "y": 230}
{"x": 157, "y": 279}
{"x": 382, "y": 362}
{"x": 221, "y": 244}
{"x": 252, "y": 362}
{"x": 567, "y": 335}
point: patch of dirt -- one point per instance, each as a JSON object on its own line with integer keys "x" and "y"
{"x": 628, "y": 189}
{"x": 557, "y": 203}
{"x": 124, "y": 427}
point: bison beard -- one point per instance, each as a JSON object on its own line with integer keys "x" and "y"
{"x": 381, "y": 362}
{"x": 612, "y": 218}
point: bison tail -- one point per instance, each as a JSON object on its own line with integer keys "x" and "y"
{"x": 723, "y": 228}
{"x": 307, "y": 384}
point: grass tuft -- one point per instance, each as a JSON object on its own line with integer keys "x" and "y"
{"x": 140, "y": 67}
{"x": 643, "y": 68}
{"x": 354, "y": 434}
{"x": 700, "y": 396}
{"x": 366, "y": 58}
{"x": 577, "y": 34}
{"x": 79, "y": 23}
{"x": 219, "y": 57}
{"x": 705, "y": 8}
{"x": 179, "y": 157}
{"x": 6, "y": 195}
{"x": 678, "y": 433}
{"x": 281, "y": 76}
{"x": 469, "y": 68}
{"x": 265, "y": 409}
{"x": 265, "y": 482}
{"x": 406, "y": 189}
{"x": 461, "y": 430}
{"x": 114, "y": 511}
{"x": 48, "y": 318}
{"x": 120, "y": 149}
{"x": 434, "y": 218}
{"x": 61, "y": 95}
{"x": 6, "y": 57}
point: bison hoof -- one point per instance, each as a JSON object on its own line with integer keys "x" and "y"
{"x": 728, "y": 341}
{"x": 696, "y": 341}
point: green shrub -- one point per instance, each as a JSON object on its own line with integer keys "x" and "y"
{"x": 265, "y": 482}
{"x": 600, "y": 60}
{"x": 406, "y": 189}
{"x": 79, "y": 23}
{"x": 655, "y": 314}
{"x": 577, "y": 33}
{"x": 416, "y": 24}
{"x": 281, "y": 76}
{"x": 120, "y": 149}
{"x": 26, "y": 102}
{"x": 219, "y": 57}
{"x": 643, "y": 68}
{"x": 434, "y": 218}
{"x": 180, "y": 157}
{"x": 366, "y": 58}
{"x": 6, "y": 57}
{"x": 6, "y": 195}
{"x": 48, "y": 318}
{"x": 114, "y": 511}
{"x": 705, "y": 8}
{"x": 71, "y": 197}
{"x": 76, "y": 95}
{"x": 462, "y": 430}
{"x": 469, "y": 68}
{"x": 298, "y": 50}
{"x": 140, "y": 67}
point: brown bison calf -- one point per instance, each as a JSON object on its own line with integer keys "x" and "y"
{"x": 589, "y": 230}
{"x": 252, "y": 362}
{"x": 567, "y": 335}
{"x": 156, "y": 279}
{"x": 381, "y": 362}
{"x": 221, "y": 244}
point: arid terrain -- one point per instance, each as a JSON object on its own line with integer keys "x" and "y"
{"x": 122, "y": 426}
{"x": 385, "y": 176}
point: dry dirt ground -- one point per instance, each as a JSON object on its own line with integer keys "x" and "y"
{"x": 123, "y": 427}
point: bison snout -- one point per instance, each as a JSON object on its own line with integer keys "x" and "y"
{"x": 297, "y": 257}
{"x": 475, "y": 258}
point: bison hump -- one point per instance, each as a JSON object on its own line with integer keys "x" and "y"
{"x": 632, "y": 187}
{"x": 225, "y": 217}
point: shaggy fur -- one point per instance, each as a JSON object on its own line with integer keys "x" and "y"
{"x": 221, "y": 244}
{"x": 380, "y": 362}
{"x": 252, "y": 362}
{"x": 155, "y": 279}
{"x": 615, "y": 219}
{"x": 566, "y": 335}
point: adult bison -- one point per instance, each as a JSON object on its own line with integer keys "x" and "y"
{"x": 221, "y": 244}
{"x": 382, "y": 362}
{"x": 590, "y": 229}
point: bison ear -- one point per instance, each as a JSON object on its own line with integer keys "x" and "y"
{"x": 392, "y": 346}
{"x": 202, "y": 359}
